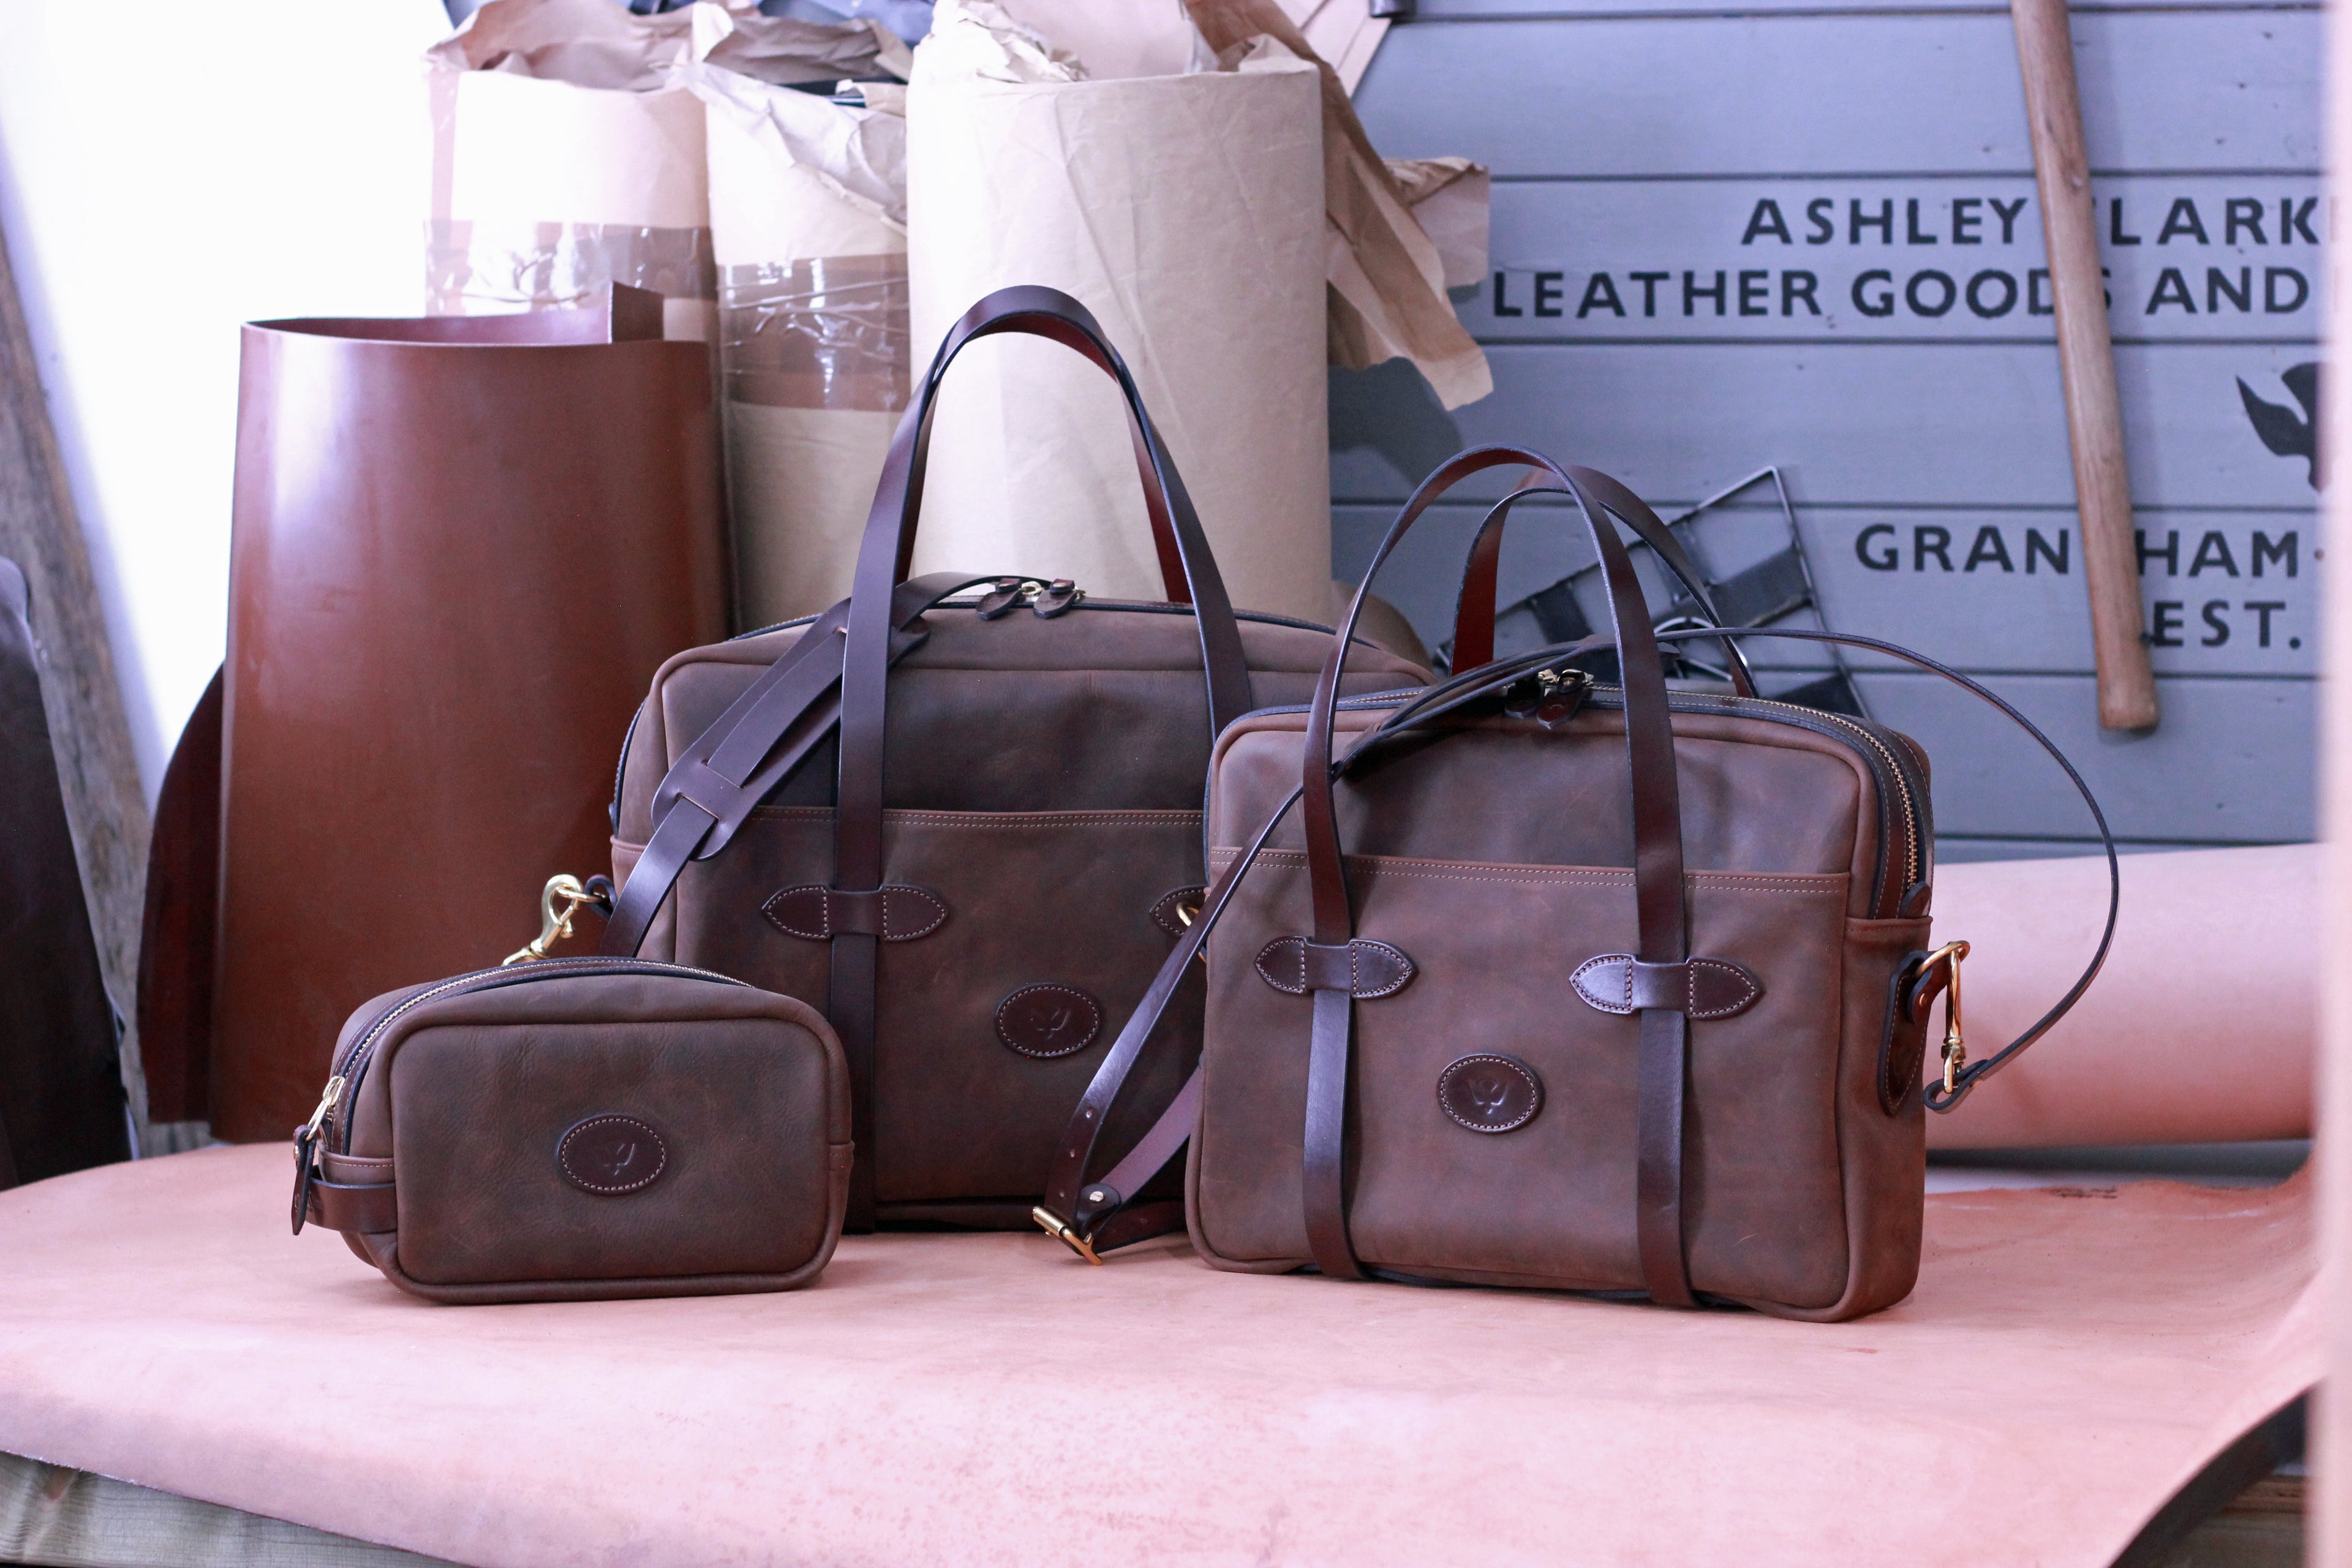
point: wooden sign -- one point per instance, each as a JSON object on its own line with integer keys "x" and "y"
{"x": 1784, "y": 236}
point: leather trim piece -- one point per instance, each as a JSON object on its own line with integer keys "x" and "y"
{"x": 1701, "y": 987}
{"x": 365, "y": 1209}
{"x": 1045, "y": 1021}
{"x": 1903, "y": 1045}
{"x": 1362, "y": 968}
{"x": 818, "y": 913}
{"x": 1164, "y": 915}
{"x": 612, "y": 1155}
{"x": 1489, "y": 1092}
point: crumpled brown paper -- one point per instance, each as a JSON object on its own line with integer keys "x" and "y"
{"x": 1387, "y": 277}
{"x": 596, "y": 44}
{"x": 565, "y": 159}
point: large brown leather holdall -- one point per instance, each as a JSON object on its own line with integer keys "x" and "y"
{"x": 962, "y": 814}
{"x": 1613, "y": 989}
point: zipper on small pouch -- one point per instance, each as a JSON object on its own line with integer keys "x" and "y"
{"x": 351, "y": 1063}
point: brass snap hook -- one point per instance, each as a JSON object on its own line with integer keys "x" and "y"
{"x": 1956, "y": 1051}
{"x": 558, "y": 902}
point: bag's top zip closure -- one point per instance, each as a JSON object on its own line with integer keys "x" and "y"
{"x": 1904, "y": 826}
{"x": 1081, "y": 600}
{"x": 351, "y": 1063}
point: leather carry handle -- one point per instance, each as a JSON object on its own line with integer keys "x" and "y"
{"x": 1098, "y": 1216}
{"x": 1660, "y": 920}
{"x": 1474, "y": 605}
{"x": 882, "y": 560}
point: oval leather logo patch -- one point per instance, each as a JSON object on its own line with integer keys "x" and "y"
{"x": 1048, "y": 1021}
{"x": 1489, "y": 1092}
{"x": 611, "y": 1154}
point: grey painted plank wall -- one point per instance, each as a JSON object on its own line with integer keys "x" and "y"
{"x": 1900, "y": 370}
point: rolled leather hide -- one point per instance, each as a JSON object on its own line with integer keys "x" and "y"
{"x": 2203, "y": 1026}
{"x": 461, "y": 547}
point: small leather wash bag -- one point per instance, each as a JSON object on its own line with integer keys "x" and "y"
{"x": 577, "y": 1130}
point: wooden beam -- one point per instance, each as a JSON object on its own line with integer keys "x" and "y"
{"x": 2087, "y": 363}
{"x": 105, "y": 805}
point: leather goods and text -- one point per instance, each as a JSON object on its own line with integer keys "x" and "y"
{"x": 461, "y": 547}
{"x": 963, "y": 812}
{"x": 1544, "y": 982}
{"x": 581, "y": 1128}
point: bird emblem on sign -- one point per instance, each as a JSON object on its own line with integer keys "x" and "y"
{"x": 2280, "y": 428}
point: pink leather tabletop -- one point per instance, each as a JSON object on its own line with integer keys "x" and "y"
{"x": 2069, "y": 1359}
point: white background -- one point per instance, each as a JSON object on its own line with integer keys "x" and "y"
{"x": 166, "y": 172}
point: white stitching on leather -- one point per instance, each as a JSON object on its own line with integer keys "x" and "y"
{"x": 1093, "y": 1030}
{"x": 1752, "y": 987}
{"x": 1803, "y": 884}
{"x": 1535, "y": 1091}
{"x": 563, "y": 1157}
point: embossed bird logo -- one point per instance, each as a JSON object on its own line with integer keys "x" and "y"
{"x": 1488, "y": 1092}
{"x": 1051, "y": 1019}
{"x": 616, "y": 1158}
{"x": 2278, "y": 426}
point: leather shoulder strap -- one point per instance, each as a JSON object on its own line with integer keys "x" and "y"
{"x": 751, "y": 748}
{"x": 1939, "y": 1099}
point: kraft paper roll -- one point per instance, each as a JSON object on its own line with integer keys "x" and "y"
{"x": 553, "y": 179}
{"x": 566, "y": 158}
{"x": 1187, "y": 213}
{"x": 808, "y": 223}
{"x": 2202, "y": 1028}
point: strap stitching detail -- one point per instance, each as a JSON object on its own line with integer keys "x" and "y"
{"x": 1750, "y": 988}
{"x": 991, "y": 819}
{"x": 1799, "y": 884}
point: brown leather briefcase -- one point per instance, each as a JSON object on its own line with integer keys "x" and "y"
{"x": 965, "y": 813}
{"x": 1613, "y": 989}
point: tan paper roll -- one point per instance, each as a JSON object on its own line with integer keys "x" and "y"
{"x": 560, "y": 166}
{"x": 1187, "y": 213}
{"x": 2201, "y": 1028}
{"x": 808, "y": 222}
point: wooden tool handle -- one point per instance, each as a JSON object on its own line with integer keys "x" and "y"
{"x": 2087, "y": 363}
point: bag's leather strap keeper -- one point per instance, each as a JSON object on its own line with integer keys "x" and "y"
{"x": 895, "y": 914}
{"x": 339, "y": 1205}
{"x": 1702, "y": 987}
{"x": 1360, "y": 967}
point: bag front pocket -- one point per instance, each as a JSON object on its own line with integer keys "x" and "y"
{"x": 1492, "y": 1124}
{"x": 1001, "y": 985}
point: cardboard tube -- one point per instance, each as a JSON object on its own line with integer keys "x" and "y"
{"x": 2087, "y": 363}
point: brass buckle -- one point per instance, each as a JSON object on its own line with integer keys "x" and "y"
{"x": 1956, "y": 1052}
{"x": 1054, "y": 1227}
{"x": 554, "y": 924}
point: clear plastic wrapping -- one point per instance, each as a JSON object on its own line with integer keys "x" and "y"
{"x": 827, "y": 333}
{"x": 475, "y": 268}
